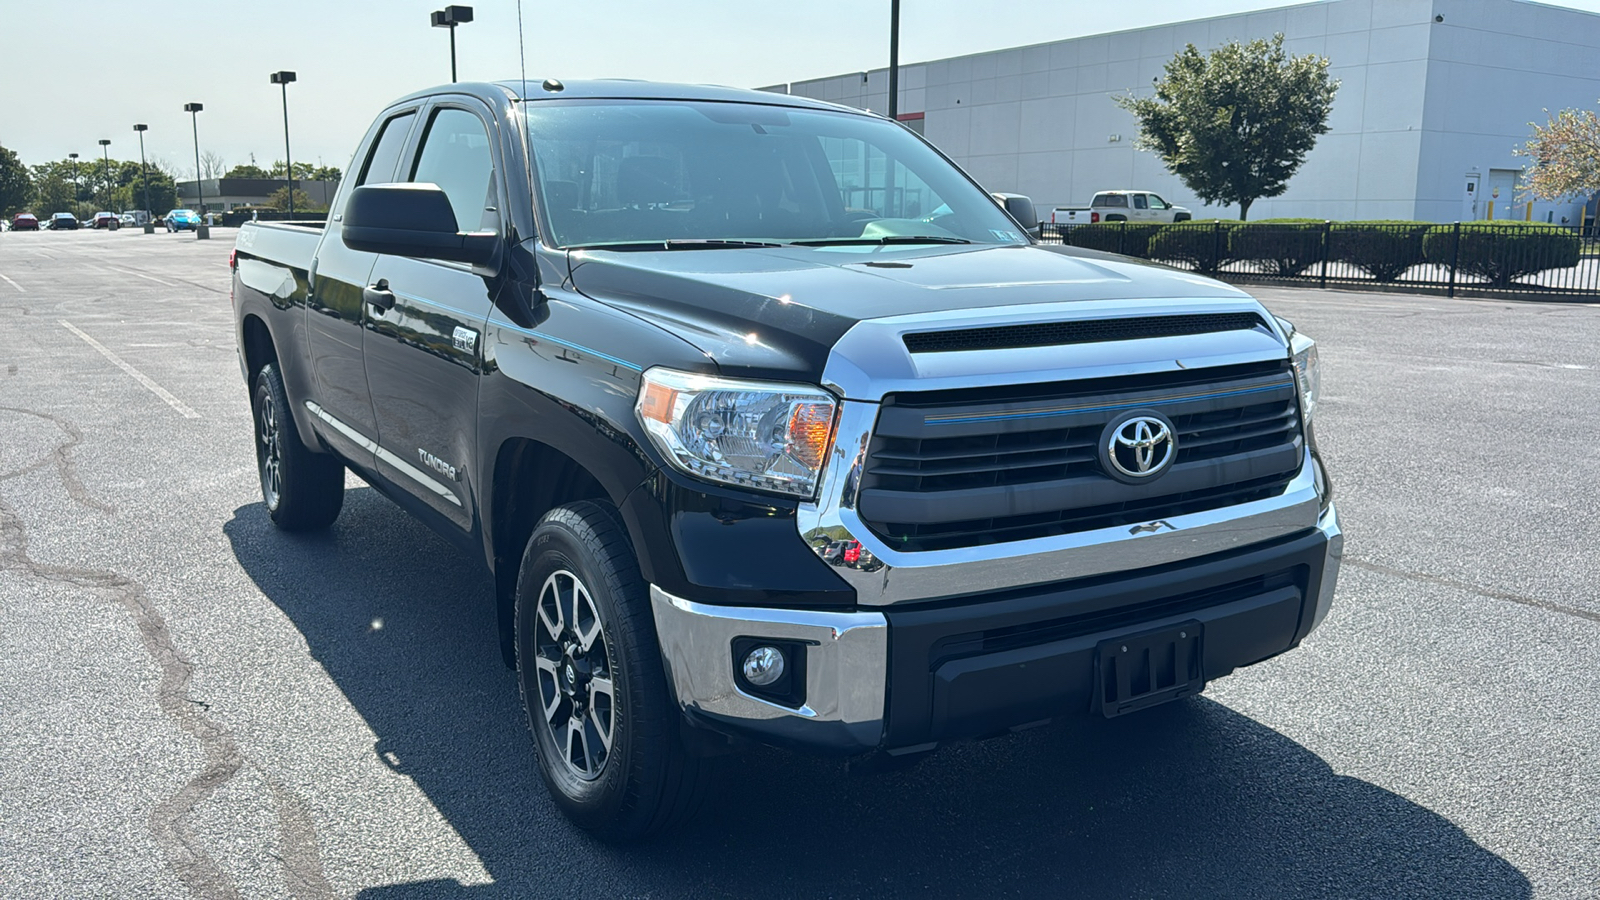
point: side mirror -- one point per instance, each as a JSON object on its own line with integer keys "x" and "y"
{"x": 411, "y": 220}
{"x": 1020, "y": 208}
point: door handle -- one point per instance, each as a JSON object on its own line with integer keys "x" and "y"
{"x": 379, "y": 295}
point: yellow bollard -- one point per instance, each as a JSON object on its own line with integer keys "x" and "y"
{"x": 1491, "y": 210}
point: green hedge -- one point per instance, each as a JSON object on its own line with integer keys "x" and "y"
{"x": 1502, "y": 252}
{"x": 1278, "y": 246}
{"x": 1195, "y": 244}
{"x": 1383, "y": 248}
{"x": 1113, "y": 237}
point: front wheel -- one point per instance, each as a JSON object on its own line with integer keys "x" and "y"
{"x": 605, "y": 728}
{"x": 303, "y": 490}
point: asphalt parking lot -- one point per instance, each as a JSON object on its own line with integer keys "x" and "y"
{"x": 196, "y": 705}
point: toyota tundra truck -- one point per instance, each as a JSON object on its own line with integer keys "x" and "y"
{"x": 756, "y": 449}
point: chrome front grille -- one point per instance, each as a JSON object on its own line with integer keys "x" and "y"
{"x": 969, "y": 467}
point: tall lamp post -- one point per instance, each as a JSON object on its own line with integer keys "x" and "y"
{"x": 450, "y": 17}
{"x": 144, "y": 178}
{"x": 74, "y": 158}
{"x": 105, "y": 154}
{"x": 284, "y": 79}
{"x": 894, "y": 60}
{"x": 201, "y": 231}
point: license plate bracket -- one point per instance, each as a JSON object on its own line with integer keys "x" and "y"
{"x": 1141, "y": 670}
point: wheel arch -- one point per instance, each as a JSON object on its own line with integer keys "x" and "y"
{"x": 529, "y": 479}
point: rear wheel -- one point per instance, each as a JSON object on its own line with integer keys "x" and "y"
{"x": 604, "y": 725}
{"x": 303, "y": 490}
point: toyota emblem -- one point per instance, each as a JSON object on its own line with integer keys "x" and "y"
{"x": 1139, "y": 447}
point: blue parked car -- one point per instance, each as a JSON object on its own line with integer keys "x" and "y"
{"x": 182, "y": 220}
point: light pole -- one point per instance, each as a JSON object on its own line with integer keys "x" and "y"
{"x": 284, "y": 78}
{"x": 894, "y": 60}
{"x": 105, "y": 171}
{"x": 201, "y": 231}
{"x": 144, "y": 178}
{"x": 450, "y": 17}
{"x": 74, "y": 158}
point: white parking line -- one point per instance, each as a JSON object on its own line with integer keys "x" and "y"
{"x": 140, "y": 275}
{"x": 14, "y": 284}
{"x": 182, "y": 408}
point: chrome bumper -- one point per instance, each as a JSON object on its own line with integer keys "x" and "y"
{"x": 1328, "y": 524}
{"x": 846, "y": 670}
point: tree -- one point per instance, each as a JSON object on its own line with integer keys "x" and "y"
{"x": 16, "y": 185}
{"x": 1236, "y": 125}
{"x": 247, "y": 171}
{"x": 212, "y": 165}
{"x": 302, "y": 170}
{"x": 1566, "y": 155}
{"x": 279, "y": 199}
{"x": 325, "y": 173}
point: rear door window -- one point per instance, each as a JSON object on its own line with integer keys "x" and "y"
{"x": 386, "y": 150}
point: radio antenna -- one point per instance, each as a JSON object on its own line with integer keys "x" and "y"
{"x": 522, "y": 52}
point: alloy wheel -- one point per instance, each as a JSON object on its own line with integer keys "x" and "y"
{"x": 577, "y": 694}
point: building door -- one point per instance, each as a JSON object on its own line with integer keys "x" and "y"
{"x": 1471, "y": 207}
{"x": 1503, "y": 194}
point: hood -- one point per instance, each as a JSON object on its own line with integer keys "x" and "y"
{"x": 776, "y": 312}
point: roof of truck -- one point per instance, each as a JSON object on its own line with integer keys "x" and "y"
{"x": 623, "y": 89}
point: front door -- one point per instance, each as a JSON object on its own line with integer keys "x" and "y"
{"x": 1471, "y": 202}
{"x": 424, "y": 352}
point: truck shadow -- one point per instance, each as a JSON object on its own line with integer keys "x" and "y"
{"x": 1187, "y": 800}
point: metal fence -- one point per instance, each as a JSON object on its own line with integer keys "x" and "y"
{"x": 1471, "y": 258}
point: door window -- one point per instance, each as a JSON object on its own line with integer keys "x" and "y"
{"x": 386, "y": 150}
{"x": 1138, "y": 202}
{"x": 455, "y": 156}
{"x": 1157, "y": 202}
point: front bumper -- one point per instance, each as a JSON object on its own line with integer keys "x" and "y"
{"x": 911, "y": 677}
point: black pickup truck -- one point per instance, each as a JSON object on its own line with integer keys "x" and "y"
{"x": 772, "y": 425}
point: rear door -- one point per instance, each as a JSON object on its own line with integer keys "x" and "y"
{"x": 335, "y": 318}
{"x": 423, "y": 354}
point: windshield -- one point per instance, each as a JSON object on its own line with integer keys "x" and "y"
{"x": 640, "y": 172}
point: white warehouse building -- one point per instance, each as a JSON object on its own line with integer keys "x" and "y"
{"x": 1434, "y": 97}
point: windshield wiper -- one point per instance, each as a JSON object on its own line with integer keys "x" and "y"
{"x": 675, "y": 244}
{"x": 886, "y": 239}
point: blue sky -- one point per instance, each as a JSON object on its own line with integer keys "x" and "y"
{"x": 74, "y": 72}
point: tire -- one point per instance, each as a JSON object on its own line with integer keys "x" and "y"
{"x": 303, "y": 490}
{"x": 579, "y": 568}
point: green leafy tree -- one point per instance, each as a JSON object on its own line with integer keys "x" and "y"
{"x": 302, "y": 171}
{"x": 279, "y": 199}
{"x": 247, "y": 171}
{"x": 53, "y": 188}
{"x": 1237, "y": 124}
{"x": 16, "y": 184}
{"x": 325, "y": 173}
{"x": 1566, "y": 155}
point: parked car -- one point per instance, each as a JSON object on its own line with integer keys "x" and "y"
{"x": 24, "y": 222}
{"x": 181, "y": 220}
{"x": 1121, "y": 206}
{"x": 106, "y": 220}
{"x": 647, "y": 387}
{"x": 128, "y": 220}
{"x": 63, "y": 221}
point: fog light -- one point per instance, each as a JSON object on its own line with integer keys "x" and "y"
{"x": 763, "y": 666}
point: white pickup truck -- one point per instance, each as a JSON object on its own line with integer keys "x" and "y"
{"x": 1121, "y": 206}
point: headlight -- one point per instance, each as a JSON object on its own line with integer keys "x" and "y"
{"x": 1307, "y": 371}
{"x": 764, "y": 435}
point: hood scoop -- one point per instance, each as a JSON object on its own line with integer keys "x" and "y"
{"x": 1051, "y": 334}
